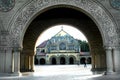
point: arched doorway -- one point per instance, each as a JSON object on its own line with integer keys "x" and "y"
{"x": 42, "y": 61}
{"x": 98, "y": 32}
{"x": 62, "y": 60}
{"x": 82, "y": 60}
{"x": 83, "y": 20}
{"x": 53, "y": 61}
{"x": 71, "y": 60}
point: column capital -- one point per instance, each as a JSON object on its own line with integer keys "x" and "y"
{"x": 17, "y": 49}
{"x": 116, "y": 48}
{"x": 108, "y": 47}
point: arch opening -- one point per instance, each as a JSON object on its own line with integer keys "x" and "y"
{"x": 62, "y": 60}
{"x": 70, "y": 17}
{"x": 54, "y": 61}
{"x": 82, "y": 60}
{"x": 42, "y": 61}
{"x": 71, "y": 60}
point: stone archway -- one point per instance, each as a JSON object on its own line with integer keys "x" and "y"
{"x": 71, "y": 60}
{"x": 62, "y": 60}
{"x": 97, "y": 13}
{"x": 42, "y": 61}
{"x": 53, "y": 61}
{"x": 82, "y": 60}
{"x": 102, "y": 19}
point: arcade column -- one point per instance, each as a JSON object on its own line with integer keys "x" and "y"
{"x": 109, "y": 60}
{"x": 16, "y": 61}
{"x": 116, "y": 55}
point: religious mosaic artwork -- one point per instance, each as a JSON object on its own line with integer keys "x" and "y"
{"x": 6, "y": 5}
{"x": 115, "y": 4}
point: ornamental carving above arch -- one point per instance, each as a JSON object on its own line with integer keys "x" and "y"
{"x": 106, "y": 25}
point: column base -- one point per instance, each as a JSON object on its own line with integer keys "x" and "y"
{"x": 27, "y": 70}
{"x": 16, "y": 74}
{"x": 98, "y": 69}
{"x": 110, "y": 73}
{"x": 10, "y": 74}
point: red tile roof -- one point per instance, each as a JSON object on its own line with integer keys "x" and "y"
{"x": 42, "y": 45}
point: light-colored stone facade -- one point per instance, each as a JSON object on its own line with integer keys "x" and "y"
{"x": 102, "y": 31}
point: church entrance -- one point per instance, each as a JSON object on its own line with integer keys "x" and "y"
{"x": 71, "y": 60}
{"x": 82, "y": 60}
{"x": 62, "y": 60}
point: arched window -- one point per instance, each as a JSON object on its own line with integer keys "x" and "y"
{"x": 62, "y": 46}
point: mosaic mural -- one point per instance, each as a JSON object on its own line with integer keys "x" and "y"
{"x": 115, "y": 4}
{"x": 6, "y": 5}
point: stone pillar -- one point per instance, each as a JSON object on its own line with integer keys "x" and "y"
{"x": 109, "y": 60}
{"x": 93, "y": 62}
{"x": 32, "y": 63}
{"x": 67, "y": 60}
{"x": 116, "y": 54}
{"x": 22, "y": 62}
{"x": 58, "y": 60}
{"x": 16, "y": 56}
{"x": 98, "y": 58}
{"x": 12, "y": 62}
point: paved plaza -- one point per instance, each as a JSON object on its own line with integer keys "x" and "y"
{"x": 62, "y": 72}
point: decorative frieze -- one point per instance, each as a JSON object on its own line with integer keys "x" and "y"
{"x": 106, "y": 25}
{"x": 4, "y": 38}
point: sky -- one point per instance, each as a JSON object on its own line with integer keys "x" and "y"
{"x": 47, "y": 34}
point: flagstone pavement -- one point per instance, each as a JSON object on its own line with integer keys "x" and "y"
{"x": 62, "y": 72}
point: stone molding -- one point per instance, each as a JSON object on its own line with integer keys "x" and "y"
{"x": 4, "y": 38}
{"x": 108, "y": 48}
{"x": 14, "y": 49}
{"x": 112, "y": 47}
{"x": 106, "y": 24}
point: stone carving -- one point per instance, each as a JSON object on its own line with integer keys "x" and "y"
{"x": 115, "y": 4}
{"x": 101, "y": 0}
{"x": 4, "y": 37}
{"x": 6, "y": 5}
{"x": 102, "y": 18}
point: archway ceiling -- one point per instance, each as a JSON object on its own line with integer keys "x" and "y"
{"x": 61, "y": 16}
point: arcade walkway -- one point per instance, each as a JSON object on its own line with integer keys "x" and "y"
{"x": 62, "y": 72}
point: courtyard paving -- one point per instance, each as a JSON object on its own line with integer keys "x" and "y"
{"x": 62, "y": 72}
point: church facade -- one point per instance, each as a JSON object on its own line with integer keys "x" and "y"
{"x": 62, "y": 48}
